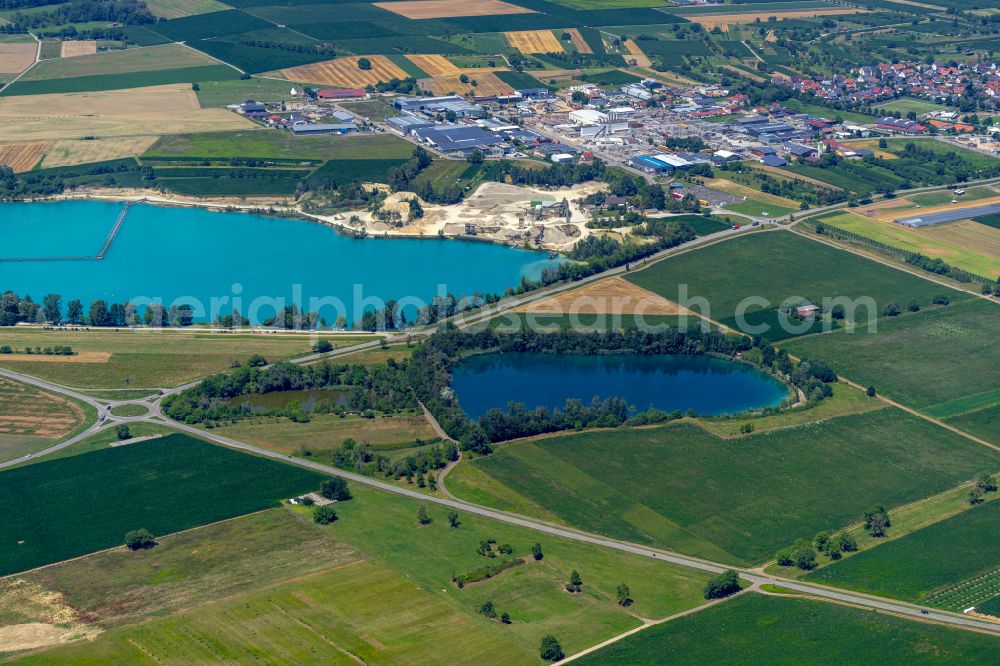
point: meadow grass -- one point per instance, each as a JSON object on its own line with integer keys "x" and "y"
{"x": 78, "y": 504}
{"x": 150, "y": 358}
{"x": 757, "y": 208}
{"x": 323, "y": 435}
{"x": 918, "y": 359}
{"x": 925, "y": 561}
{"x": 733, "y": 500}
{"x": 223, "y": 93}
{"x": 159, "y": 77}
{"x": 777, "y": 266}
{"x": 984, "y": 422}
{"x": 264, "y": 144}
{"x": 377, "y": 586}
{"x": 757, "y": 629}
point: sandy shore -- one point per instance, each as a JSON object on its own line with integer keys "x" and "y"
{"x": 495, "y": 212}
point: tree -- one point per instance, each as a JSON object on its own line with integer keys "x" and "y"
{"x": 324, "y": 515}
{"x": 536, "y": 552}
{"x": 624, "y": 595}
{"x": 453, "y": 519}
{"x": 139, "y": 539}
{"x": 986, "y": 482}
{"x": 122, "y": 432}
{"x": 74, "y": 311}
{"x": 422, "y": 516}
{"x": 550, "y": 650}
{"x": 364, "y": 63}
{"x": 877, "y": 521}
{"x": 488, "y": 609}
{"x": 847, "y": 543}
{"x": 416, "y": 210}
{"x": 99, "y": 314}
{"x": 323, "y": 346}
{"x": 256, "y": 361}
{"x": 505, "y": 618}
{"x": 723, "y": 585}
{"x": 476, "y": 157}
{"x": 870, "y": 391}
{"x": 575, "y": 583}
{"x": 890, "y": 310}
{"x": 52, "y": 308}
{"x": 335, "y": 488}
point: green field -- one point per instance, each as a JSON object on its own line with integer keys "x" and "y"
{"x": 776, "y": 266}
{"x": 71, "y": 506}
{"x": 324, "y": 433}
{"x": 756, "y": 208}
{"x": 158, "y": 77}
{"x": 223, "y": 93}
{"x": 926, "y": 562}
{"x": 169, "y": 56}
{"x": 754, "y": 629}
{"x": 269, "y": 144}
{"x": 919, "y": 106}
{"x": 735, "y": 500}
{"x": 375, "y": 584}
{"x": 154, "y": 358}
{"x": 920, "y": 359}
{"x": 984, "y": 423}
{"x": 178, "y": 8}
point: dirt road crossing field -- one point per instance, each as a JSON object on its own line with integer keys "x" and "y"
{"x": 345, "y": 72}
{"x": 23, "y": 157}
{"x": 431, "y": 9}
{"x": 534, "y": 41}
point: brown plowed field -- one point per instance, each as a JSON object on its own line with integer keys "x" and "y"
{"x": 487, "y": 84}
{"x": 534, "y": 41}
{"x": 15, "y": 58}
{"x": 609, "y": 296}
{"x": 25, "y": 410}
{"x": 579, "y": 42}
{"x": 430, "y": 9}
{"x": 641, "y": 60}
{"x": 23, "y": 157}
{"x": 79, "y": 48}
{"x": 434, "y": 65}
{"x": 346, "y": 73}
{"x": 710, "y": 21}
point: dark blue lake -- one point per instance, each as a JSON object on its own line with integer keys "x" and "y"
{"x": 708, "y": 385}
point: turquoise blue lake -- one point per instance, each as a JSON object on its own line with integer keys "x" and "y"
{"x": 710, "y": 386}
{"x": 195, "y": 255}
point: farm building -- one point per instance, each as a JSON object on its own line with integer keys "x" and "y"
{"x": 949, "y": 216}
{"x": 300, "y": 129}
{"x": 340, "y": 93}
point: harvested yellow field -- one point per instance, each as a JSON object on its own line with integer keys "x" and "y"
{"x": 778, "y": 171}
{"x": 78, "y": 48}
{"x": 346, "y": 73}
{"x": 640, "y": 58}
{"x": 169, "y": 109}
{"x": 23, "y": 157}
{"x": 579, "y": 43}
{"x": 25, "y": 410}
{"x": 613, "y": 296}
{"x": 15, "y": 58}
{"x": 487, "y": 84}
{"x": 534, "y": 41}
{"x": 69, "y": 152}
{"x": 710, "y": 21}
{"x": 434, "y": 65}
{"x": 969, "y": 235}
{"x": 430, "y": 9}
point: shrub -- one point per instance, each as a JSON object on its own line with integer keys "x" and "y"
{"x": 724, "y": 585}
{"x": 139, "y": 540}
{"x": 324, "y": 515}
{"x": 123, "y": 432}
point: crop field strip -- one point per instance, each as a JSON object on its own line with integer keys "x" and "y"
{"x": 487, "y": 83}
{"x": 167, "y": 109}
{"x": 579, "y": 43}
{"x": 169, "y": 56}
{"x": 588, "y": 480}
{"x": 29, "y": 412}
{"x": 433, "y": 9}
{"x": 23, "y": 157}
{"x": 75, "y": 48}
{"x": 345, "y": 72}
{"x": 171, "y": 9}
{"x": 69, "y": 152}
{"x": 534, "y": 41}
{"x": 164, "y": 485}
{"x": 434, "y": 65}
{"x": 15, "y": 58}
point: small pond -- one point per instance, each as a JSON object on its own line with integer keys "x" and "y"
{"x": 710, "y": 386}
